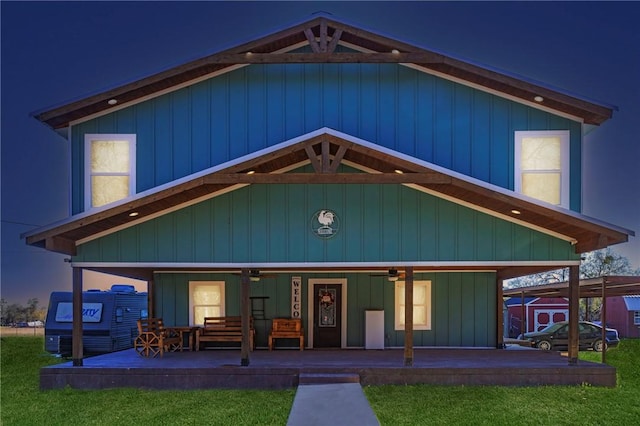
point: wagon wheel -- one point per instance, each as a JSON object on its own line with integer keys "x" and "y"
{"x": 147, "y": 344}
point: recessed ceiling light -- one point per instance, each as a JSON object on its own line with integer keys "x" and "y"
{"x": 250, "y": 172}
{"x": 112, "y": 101}
{"x": 538, "y": 99}
{"x": 398, "y": 171}
{"x": 133, "y": 214}
{"x": 514, "y": 211}
{"x": 395, "y": 51}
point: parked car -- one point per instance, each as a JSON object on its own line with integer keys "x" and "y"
{"x": 556, "y": 336}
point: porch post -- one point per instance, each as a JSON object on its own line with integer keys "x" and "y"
{"x": 408, "y": 317}
{"x": 150, "y": 298}
{"x": 500, "y": 315}
{"x": 574, "y": 317}
{"x": 523, "y": 315}
{"x": 244, "y": 317}
{"x": 603, "y": 318}
{"x": 76, "y": 332}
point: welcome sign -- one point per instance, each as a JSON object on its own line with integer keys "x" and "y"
{"x": 296, "y": 296}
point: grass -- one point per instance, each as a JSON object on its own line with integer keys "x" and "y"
{"x": 497, "y": 405}
{"x": 22, "y": 403}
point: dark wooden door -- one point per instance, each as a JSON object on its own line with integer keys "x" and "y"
{"x": 327, "y": 320}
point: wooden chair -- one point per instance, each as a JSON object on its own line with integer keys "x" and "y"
{"x": 285, "y": 328}
{"x": 153, "y": 338}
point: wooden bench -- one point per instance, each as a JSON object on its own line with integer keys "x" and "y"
{"x": 153, "y": 338}
{"x": 224, "y": 329}
{"x": 285, "y": 328}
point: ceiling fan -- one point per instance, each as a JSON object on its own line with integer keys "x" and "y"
{"x": 255, "y": 275}
{"x": 392, "y": 275}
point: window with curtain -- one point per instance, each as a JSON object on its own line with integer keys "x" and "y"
{"x": 542, "y": 166}
{"x": 206, "y": 299}
{"x": 421, "y": 305}
{"x": 109, "y": 168}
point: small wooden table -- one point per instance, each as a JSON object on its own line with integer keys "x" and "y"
{"x": 190, "y": 332}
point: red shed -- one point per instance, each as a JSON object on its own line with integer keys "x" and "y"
{"x": 539, "y": 312}
{"x": 623, "y": 314}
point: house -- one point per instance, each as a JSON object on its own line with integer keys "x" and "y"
{"x": 325, "y": 171}
{"x": 537, "y": 312}
{"x": 623, "y": 314}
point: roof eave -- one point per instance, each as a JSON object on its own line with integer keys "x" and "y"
{"x": 588, "y": 233}
{"x": 589, "y": 112}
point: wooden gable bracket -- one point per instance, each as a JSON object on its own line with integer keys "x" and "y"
{"x": 324, "y": 164}
{"x": 324, "y": 45}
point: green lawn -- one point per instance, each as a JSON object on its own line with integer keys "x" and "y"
{"x": 497, "y": 405}
{"x": 22, "y": 403}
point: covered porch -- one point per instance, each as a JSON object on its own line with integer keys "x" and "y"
{"x": 281, "y": 369}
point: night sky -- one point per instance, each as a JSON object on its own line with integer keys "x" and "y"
{"x": 56, "y": 52}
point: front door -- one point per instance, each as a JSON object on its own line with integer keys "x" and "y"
{"x": 327, "y": 320}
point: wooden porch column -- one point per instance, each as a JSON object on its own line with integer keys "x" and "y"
{"x": 523, "y": 315}
{"x": 150, "y": 297}
{"x": 500, "y": 315}
{"x": 245, "y": 314}
{"x": 408, "y": 317}
{"x": 603, "y": 318}
{"x": 76, "y": 332}
{"x": 574, "y": 308}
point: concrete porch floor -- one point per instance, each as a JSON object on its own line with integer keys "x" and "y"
{"x": 279, "y": 369}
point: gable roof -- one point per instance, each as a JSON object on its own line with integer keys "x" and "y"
{"x": 632, "y": 302}
{"x": 325, "y": 149}
{"x": 322, "y": 35}
{"x": 517, "y": 301}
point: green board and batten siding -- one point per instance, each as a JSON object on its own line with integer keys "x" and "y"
{"x": 272, "y": 224}
{"x": 243, "y": 111}
{"x": 463, "y": 305}
{"x": 240, "y": 112}
{"x": 379, "y": 223}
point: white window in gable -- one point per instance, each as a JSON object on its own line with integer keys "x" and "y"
{"x": 421, "y": 305}
{"x": 542, "y": 165}
{"x": 110, "y": 161}
{"x": 206, "y": 299}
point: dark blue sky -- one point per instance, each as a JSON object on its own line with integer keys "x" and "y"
{"x": 55, "y": 52}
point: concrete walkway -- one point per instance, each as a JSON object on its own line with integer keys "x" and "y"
{"x": 334, "y": 404}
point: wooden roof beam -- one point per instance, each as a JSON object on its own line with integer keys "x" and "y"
{"x": 61, "y": 245}
{"x": 326, "y": 57}
{"x": 330, "y": 178}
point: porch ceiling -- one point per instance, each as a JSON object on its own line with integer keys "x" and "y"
{"x": 322, "y": 35}
{"x": 325, "y": 152}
